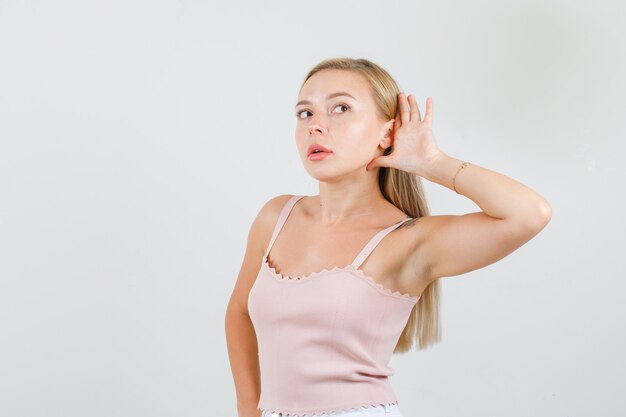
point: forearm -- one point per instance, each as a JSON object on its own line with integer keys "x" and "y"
{"x": 496, "y": 194}
{"x": 244, "y": 362}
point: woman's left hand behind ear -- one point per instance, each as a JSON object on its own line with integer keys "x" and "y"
{"x": 414, "y": 145}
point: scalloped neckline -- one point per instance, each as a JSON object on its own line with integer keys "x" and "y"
{"x": 348, "y": 268}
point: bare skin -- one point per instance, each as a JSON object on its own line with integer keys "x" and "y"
{"x": 304, "y": 245}
{"x": 435, "y": 246}
{"x": 330, "y": 229}
{"x": 355, "y": 135}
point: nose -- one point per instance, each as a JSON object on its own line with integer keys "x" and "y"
{"x": 316, "y": 127}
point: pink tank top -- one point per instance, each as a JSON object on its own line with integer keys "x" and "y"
{"x": 325, "y": 339}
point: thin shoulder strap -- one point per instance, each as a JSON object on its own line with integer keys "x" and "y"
{"x": 284, "y": 213}
{"x": 373, "y": 242}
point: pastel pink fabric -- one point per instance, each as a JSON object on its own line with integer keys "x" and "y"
{"x": 325, "y": 339}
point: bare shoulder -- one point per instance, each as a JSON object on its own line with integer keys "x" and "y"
{"x": 410, "y": 238}
{"x": 417, "y": 231}
{"x": 412, "y": 233}
{"x": 266, "y": 219}
{"x": 258, "y": 238}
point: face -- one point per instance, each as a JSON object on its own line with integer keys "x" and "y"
{"x": 350, "y": 127}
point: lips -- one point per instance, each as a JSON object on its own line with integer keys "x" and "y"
{"x": 317, "y": 147}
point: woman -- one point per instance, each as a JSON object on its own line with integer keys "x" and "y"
{"x": 331, "y": 285}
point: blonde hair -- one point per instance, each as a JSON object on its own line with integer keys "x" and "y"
{"x": 404, "y": 190}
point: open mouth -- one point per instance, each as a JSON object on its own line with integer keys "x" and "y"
{"x": 318, "y": 155}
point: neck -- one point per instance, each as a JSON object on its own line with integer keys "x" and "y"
{"x": 343, "y": 205}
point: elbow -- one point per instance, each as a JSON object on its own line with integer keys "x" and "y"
{"x": 541, "y": 217}
{"x": 546, "y": 212}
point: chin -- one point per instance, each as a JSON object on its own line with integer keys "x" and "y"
{"x": 334, "y": 174}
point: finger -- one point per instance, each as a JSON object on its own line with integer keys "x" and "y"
{"x": 371, "y": 164}
{"x": 379, "y": 161}
{"x": 429, "y": 110}
{"x": 415, "y": 111}
{"x": 405, "y": 114}
{"x": 398, "y": 122}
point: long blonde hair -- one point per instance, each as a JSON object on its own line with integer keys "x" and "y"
{"x": 404, "y": 190}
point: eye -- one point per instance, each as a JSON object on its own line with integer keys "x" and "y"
{"x": 339, "y": 105}
{"x": 343, "y": 105}
{"x": 300, "y": 112}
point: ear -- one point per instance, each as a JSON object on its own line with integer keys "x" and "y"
{"x": 388, "y": 137}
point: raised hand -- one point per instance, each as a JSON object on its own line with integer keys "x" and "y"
{"x": 414, "y": 145}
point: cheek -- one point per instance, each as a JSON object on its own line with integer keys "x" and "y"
{"x": 362, "y": 134}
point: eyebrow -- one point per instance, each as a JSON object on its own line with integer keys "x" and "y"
{"x": 331, "y": 95}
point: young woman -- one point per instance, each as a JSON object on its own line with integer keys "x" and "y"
{"x": 331, "y": 285}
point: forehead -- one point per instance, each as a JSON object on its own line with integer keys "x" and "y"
{"x": 330, "y": 81}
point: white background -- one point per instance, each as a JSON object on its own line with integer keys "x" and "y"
{"x": 139, "y": 139}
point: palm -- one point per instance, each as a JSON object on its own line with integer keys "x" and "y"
{"x": 413, "y": 141}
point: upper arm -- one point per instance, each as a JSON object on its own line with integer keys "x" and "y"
{"x": 258, "y": 238}
{"x": 455, "y": 244}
